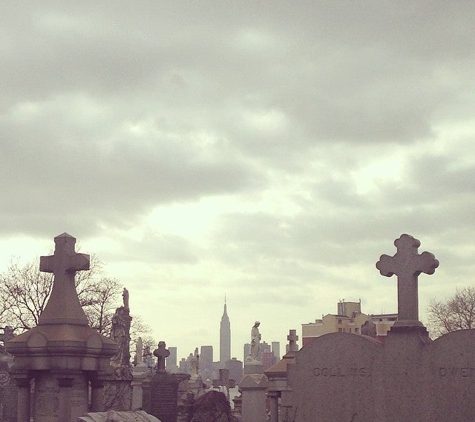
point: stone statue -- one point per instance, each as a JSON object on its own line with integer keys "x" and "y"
{"x": 125, "y": 298}
{"x": 147, "y": 357}
{"x": 255, "y": 341}
{"x": 120, "y": 333}
{"x": 194, "y": 362}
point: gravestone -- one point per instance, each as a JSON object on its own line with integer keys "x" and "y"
{"x": 164, "y": 397}
{"x": 352, "y": 378}
{"x": 160, "y": 394}
{"x": 334, "y": 379}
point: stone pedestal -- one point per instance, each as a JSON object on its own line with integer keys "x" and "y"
{"x": 253, "y": 391}
{"x": 137, "y": 388}
{"x": 118, "y": 395}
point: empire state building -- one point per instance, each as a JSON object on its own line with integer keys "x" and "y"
{"x": 224, "y": 338}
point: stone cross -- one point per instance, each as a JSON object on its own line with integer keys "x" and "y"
{"x": 161, "y": 353}
{"x": 63, "y": 306}
{"x": 407, "y": 264}
{"x": 293, "y": 337}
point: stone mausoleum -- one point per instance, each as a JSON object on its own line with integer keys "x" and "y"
{"x": 62, "y": 354}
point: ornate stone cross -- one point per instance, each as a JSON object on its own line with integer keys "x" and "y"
{"x": 63, "y": 306}
{"x": 407, "y": 264}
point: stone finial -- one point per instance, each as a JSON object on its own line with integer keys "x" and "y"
{"x": 63, "y": 306}
{"x": 407, "y": 264}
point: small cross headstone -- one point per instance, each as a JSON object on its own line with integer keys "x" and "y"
{"x": 407, "y": 264}
{"x": 161, "y": 354}
{"x": 161, "y": 399}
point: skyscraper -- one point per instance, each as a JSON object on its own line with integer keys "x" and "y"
{"x": 224, "y": 338}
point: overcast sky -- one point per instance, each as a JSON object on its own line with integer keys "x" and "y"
{"x": 266, "y": 151}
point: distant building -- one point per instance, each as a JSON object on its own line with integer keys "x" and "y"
{"x": 171, "y": 361}
{"x": 276, "y": 350}
{"x": 235, "y": 369}
{"x": 268, "y": 359}
{"x": 206, "y": 362}
{"x": 224, "y": 338}
{"x": 349, "y": 319}
{"x": 247, "y": 350}
{"x": 206, "y": 356}
{"x": 183, "y": 367}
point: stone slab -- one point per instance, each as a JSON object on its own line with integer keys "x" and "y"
{"x": 113, "y": 416}
{"x": 347, "y": 377}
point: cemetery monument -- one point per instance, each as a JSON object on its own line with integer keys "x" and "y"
{"x": 62, "y": 353}
{"x": 409, "y": 377}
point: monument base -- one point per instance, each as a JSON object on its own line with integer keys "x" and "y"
{"x": 253, "y": 367}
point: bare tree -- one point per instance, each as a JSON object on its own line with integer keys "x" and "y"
{"x": 24, "y": 292}
{"x": 139, "y": 329}
{"x": 98, "y": 300}
{"x": 455, "y": 313}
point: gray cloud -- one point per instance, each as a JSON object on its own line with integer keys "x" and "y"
{"x": 321, "y": 131}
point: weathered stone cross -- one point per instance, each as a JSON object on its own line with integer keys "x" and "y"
{"x": 293, "y": 337}
{"x": 63, "y": 306}
{"x": 407, "y": 264}
{"x": 161, "y": 353}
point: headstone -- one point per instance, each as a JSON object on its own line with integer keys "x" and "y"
{"x": 160, "y": 394}
{"x": 348, "y": 377}
{"x": 161, "y": 352}
{"x": 164, "y": 397}
{"x": 336, "y": 378}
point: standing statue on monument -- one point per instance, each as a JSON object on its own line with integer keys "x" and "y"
{"x": 125, "y": 298}
{"x": 194, "y": 362}
{"x": 120, "y": 333}
{"x": 255, "y": 341}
